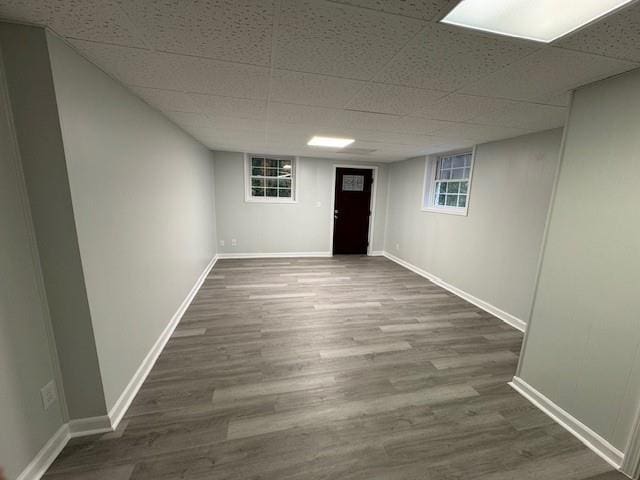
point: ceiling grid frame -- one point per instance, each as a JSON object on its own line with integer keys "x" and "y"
{"x": 230, "y": 106}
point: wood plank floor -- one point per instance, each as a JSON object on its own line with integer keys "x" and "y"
{"x": 336, "y": 368}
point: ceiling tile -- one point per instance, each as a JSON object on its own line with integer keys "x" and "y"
{"x": 132, "y": 66}
{"x": 445, "y": 58}
{"x": 312, "y": 89}
{"x": 300, "y": 114}
{"x": 234, "y": 30}
{"x": 328, "y": 117}
{"x": 144, "y": 68}
{"x": 380, "y": 97}
{"x": 97, "y": 20}
{"x": 456, "y": 108}
{"x": 338, "y": 121}
{"x": 221, "y": 130}
{"x": 200, "y": 75}
{"x": 560, "y": 99}
{"x": 414, "y": 125}
{"x": 227, "y": 135}
{"x": 367, "y": 120}
{"x": 616, "y": 35}
{"x": 230, "y": 106}
{"x": 228, "y": 138}
{"x": 422, "y": 9}
{"x": 223, "y": 122}
{"x": 547, "y": 72}
{"x": 188, "y": 119}
{"x": 530, "y": 116}
{"x": 460, "y": 132}
{"x": 286, "y": 138}
{"x": 166, "y": 99}
{"x": 373, "y": 70}
{"x": 302, "y": 133}
{"x": 333, "y": 39}
{"x": 391, "y": 139}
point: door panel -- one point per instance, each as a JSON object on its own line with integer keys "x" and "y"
{"x": 352, "y": 211}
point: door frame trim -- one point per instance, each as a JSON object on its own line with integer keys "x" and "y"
{"x": 372, "y": 203}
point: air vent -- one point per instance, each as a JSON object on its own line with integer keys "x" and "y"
{"x": 356, "y": 151}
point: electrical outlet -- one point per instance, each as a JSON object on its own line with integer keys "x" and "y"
{"x": 222, "y": 243}
{"x": 234, "y": 242}
{"x": 397, "y": 246}
{"x": 318, "y": 204}
{"x": 49, "y": 394}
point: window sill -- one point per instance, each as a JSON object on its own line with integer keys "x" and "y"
{"x": 449, "y": 211}
{"x": 270, "y": 200}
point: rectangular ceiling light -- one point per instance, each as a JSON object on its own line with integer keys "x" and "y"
{"x": 539, "y": 20}
{"x": 330, "y": 142}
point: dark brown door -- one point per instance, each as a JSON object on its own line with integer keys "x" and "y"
{"x": 352, "y": 211}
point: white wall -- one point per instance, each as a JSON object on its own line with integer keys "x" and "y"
{"x": 26, "y": 362}
{"x": 583, "y": 346}
{"x": 142, "y": 193}
{"x": 493, "y": 252}
{"x": 285, "y": 228}
{"x": 36, "y": 121}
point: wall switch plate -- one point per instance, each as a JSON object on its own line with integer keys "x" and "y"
{"x": 49, "y": 394}
{"x": 397, "y": 246}
{"x": 318, "y": 204}
{"x": 222, "y": 243}
{"x": 234, "y": 242}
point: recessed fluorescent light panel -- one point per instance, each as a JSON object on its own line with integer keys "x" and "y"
{"x": 539, "y": 20}
{"x": 330, "y": 142}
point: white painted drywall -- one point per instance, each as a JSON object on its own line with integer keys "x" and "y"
{"x": 583, "y": 347}
{"x": 142, "y": 193}
{"x": 36, "y": 121}
{"x": 26, "y": 362}
{"x": 303, "y": 226}
{"x": 493, "y": 252}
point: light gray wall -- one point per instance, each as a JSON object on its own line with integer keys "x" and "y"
{"x": 276, "y": 228}
{"x": 36, "y": 121}
{"x": 26, "y": 363}
{"x": 493, "y": 252}
{"x": 142, "y": 193}
{"x": 583, "y": 347}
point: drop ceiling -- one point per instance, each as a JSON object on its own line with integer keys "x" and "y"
{"x": 266, "y": 75}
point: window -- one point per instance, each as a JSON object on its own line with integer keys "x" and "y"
{"x": 270, "y": 179}
{"x": 447, "y": 183}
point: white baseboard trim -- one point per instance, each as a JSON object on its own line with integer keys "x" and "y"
{"x": 377, "y": 253}
{"x": 89, "y": 426}
{"x": 274, "y": 255}
{"x": 515, "y": 322}
{"x": 591, "y": 439}
{"x": 107, "y": 423}
{"x": 124, "y": 401}
{"x": 47, "y": 454}
{"x": 74, "y": 428}
{"x": 631, "y": 463}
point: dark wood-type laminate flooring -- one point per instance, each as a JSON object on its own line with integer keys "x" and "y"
{"x": 333, "y": 368}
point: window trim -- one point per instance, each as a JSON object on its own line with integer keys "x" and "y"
{"x": 429, "y": 184}
{"x": 280, "y": 200}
